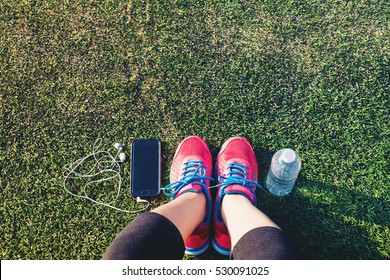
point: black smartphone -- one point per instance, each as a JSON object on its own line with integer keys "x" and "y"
{"x": 145, "y": 167}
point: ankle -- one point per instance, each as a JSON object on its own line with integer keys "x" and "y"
{"x": 199, "y": 197}
{"x": 234, "y": 199}
{"x": 186, "y": 212}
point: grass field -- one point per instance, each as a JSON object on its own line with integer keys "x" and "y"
{"x": 311, "y": 75}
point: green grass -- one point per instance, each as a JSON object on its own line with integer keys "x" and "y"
{"x": 310, "y": 75}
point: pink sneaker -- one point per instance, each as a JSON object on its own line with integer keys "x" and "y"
{"x": 237, "y": 172}
{"x": 191, "y": 172}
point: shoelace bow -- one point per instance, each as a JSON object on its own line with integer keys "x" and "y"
{"x": 238, "y": 175}
{"x": 194, "y": 172}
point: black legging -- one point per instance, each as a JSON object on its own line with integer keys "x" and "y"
{"x": 152, "y": 236}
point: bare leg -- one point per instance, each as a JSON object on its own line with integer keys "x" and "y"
{"x": 156, "y": 234}
{"x": 240, "y": 216}
{"x": 186, "y": 212}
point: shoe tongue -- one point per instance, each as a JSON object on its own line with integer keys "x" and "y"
{"x": 189, "y": 188}
{"x": 237, "y": 189}
{"x": 239, "y": 161}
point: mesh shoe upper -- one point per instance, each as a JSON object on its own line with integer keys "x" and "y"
{"x": 191, "y": 172}
{"x": 237, "y": 172}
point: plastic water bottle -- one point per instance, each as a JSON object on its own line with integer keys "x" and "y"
{"x": 283, "y": 172}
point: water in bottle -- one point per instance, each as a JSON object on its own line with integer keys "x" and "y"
{"x": 283, "y": 172}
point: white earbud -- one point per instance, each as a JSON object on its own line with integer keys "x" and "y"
{"x": 122, "y": 157}
{"x": 118, "y": 146}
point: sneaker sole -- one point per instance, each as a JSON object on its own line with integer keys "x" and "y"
{"x": 220, "y": 250}
{"x": 197, "y": 252}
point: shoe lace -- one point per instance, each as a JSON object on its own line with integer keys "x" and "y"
{"x": 238, "y": 175}
{"x": 194, "y": 172}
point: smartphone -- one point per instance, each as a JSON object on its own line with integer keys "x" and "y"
{"x": 145, "y": 167}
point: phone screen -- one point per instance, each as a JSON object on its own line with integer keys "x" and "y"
{"x": 145, "y": 168}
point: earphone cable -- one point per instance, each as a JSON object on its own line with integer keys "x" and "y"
{"x": 104, "y": 163}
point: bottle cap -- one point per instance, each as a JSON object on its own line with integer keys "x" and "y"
{"x": 288, "y": 156}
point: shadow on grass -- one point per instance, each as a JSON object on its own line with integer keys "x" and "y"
{"x": 341, "y": 228}
{"x": 322, "y": 221}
